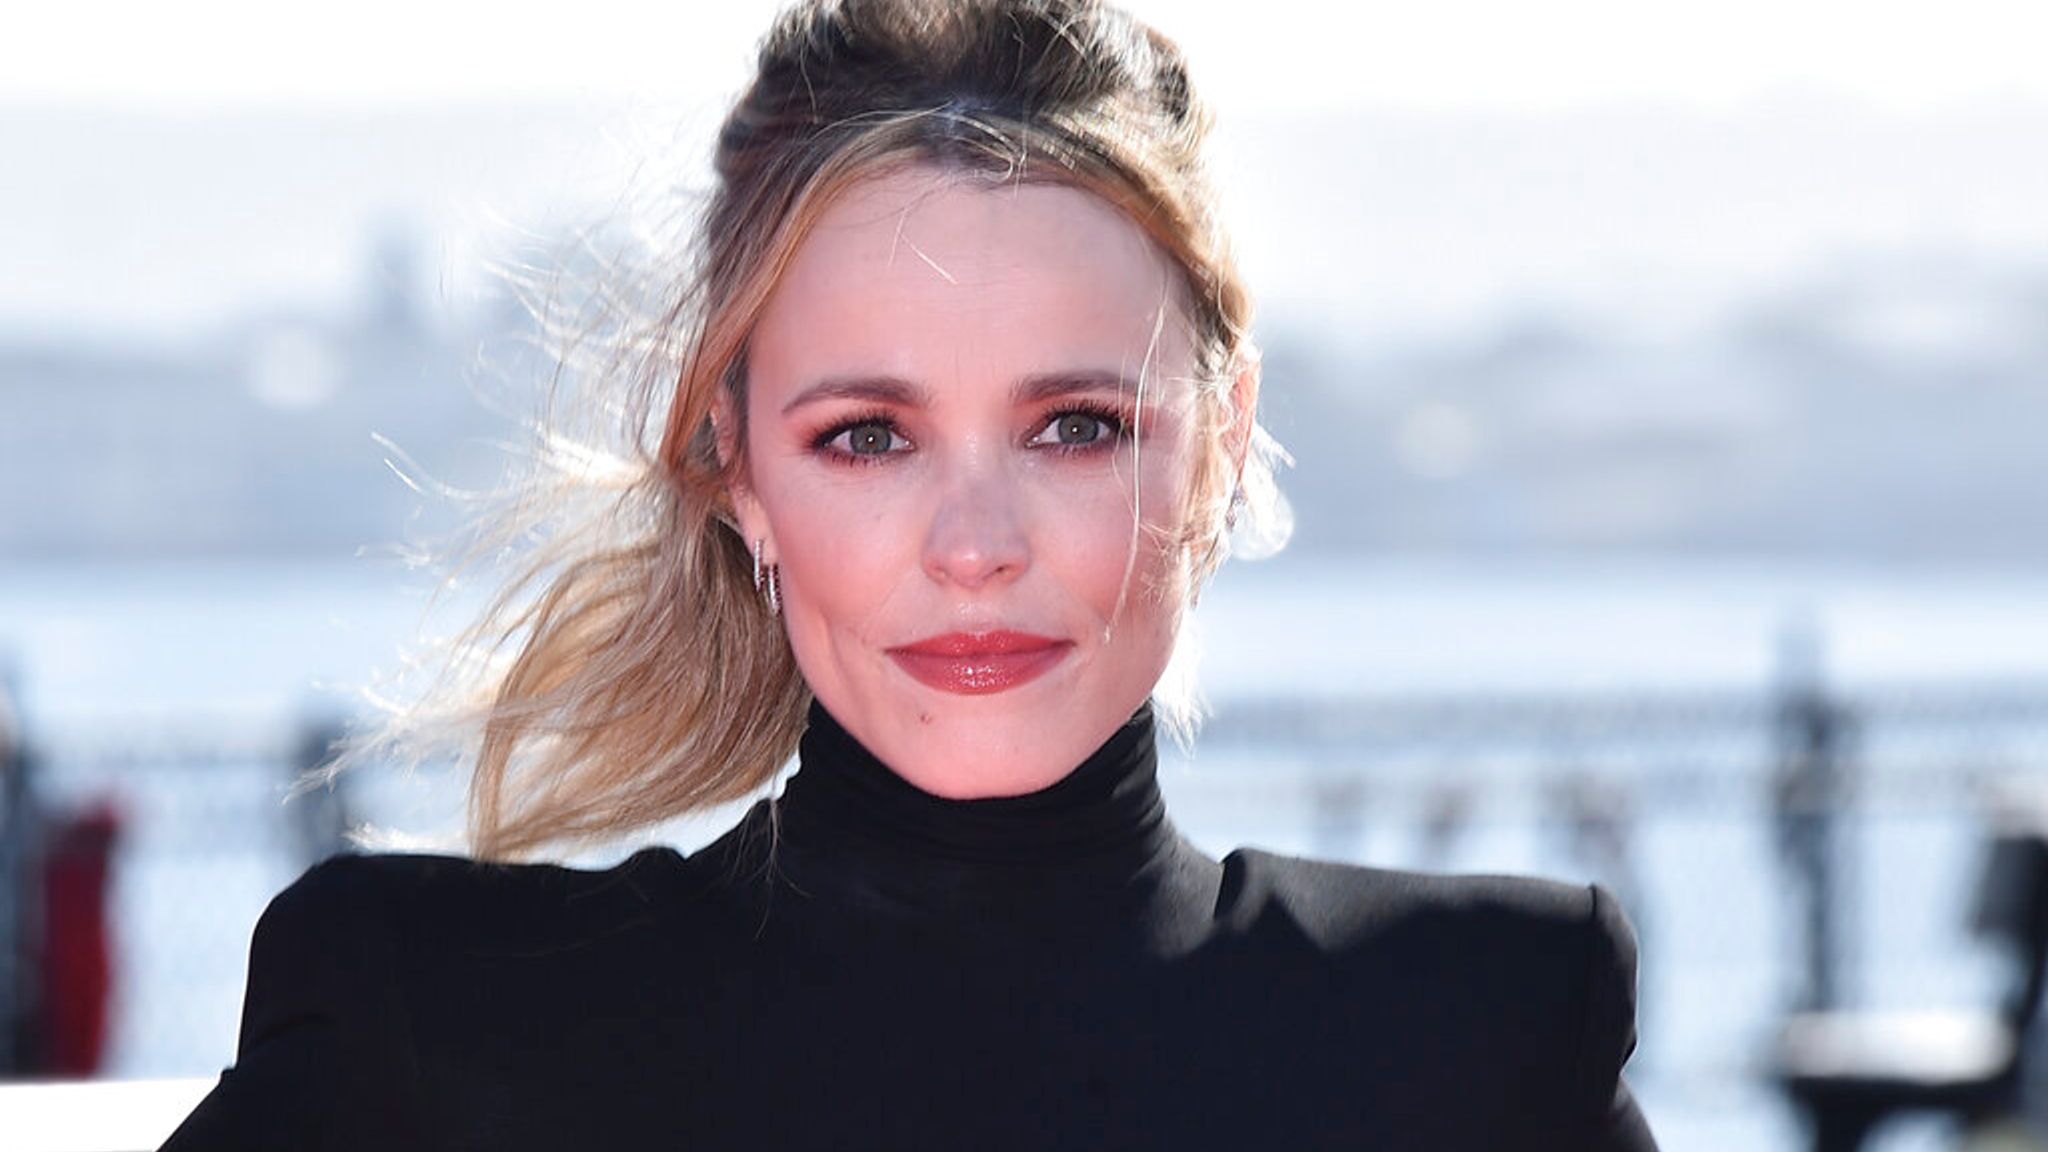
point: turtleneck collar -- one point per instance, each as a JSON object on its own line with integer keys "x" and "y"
{"x": 849, "y": 826}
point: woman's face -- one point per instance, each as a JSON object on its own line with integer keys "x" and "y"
{"x": 968, "y": 493}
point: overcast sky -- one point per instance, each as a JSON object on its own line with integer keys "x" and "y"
{"x": 174, "y": 166}
{"x": 1445, "y": 53}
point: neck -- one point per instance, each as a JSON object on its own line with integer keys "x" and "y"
{"x": 856, "y": 828}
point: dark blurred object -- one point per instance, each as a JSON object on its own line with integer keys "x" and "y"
{"x": 1811, "y": 789}
{"x": 18, "y": 901}
{"x": 1851, "y": 1071}
{"x": 56, "y": 951}
{"x": 324, "y": 813}
{"x": 77, "y": 962}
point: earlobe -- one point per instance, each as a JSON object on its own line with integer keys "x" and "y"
{"x": 747, "y": 517}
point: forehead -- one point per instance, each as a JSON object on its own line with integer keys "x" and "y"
{"x": 917, "y": 272}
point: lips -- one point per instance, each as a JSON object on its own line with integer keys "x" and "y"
{"x": 979, "y": 663}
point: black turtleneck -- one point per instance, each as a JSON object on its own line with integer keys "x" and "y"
{"x": 1092, "y": 852}
{"x": 859, "y": 964}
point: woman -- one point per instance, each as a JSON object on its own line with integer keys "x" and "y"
{"x": 953, "y": 417}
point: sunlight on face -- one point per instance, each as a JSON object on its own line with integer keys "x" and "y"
{"x": 961, "y": 399}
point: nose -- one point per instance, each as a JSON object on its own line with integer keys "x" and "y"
{"x": 977, "y": 535}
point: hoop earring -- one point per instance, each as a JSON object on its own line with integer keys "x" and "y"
{"x": 768, "y": 581}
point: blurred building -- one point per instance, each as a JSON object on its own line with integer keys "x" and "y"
{"x": 1886, "y": 411}
{"x": 254, "y": 439}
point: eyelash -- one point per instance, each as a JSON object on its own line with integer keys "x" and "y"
{"x": 821, "y": 443}
{"x": 1116, "y": 423}
{"x": 1114, "y": 419}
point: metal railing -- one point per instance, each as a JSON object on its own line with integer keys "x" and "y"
{"x": 1800, "y": 779}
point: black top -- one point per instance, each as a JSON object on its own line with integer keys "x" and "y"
{"x": 863, "y": 965}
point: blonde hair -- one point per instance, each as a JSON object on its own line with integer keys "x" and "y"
{"x": 630, "y": 673}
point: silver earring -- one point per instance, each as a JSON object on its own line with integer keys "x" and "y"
{"x": 768, "y": 582}
{"x": 1234, "y": 510}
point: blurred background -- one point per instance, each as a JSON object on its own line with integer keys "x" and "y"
{"x": 1668, "y": 385}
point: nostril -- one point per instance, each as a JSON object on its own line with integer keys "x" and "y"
{"x": 971, "y": 566}
{"x": 975, "y": 557}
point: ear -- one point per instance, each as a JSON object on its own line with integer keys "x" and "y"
{"x": 748, "y": 516}
{"x": 1244, "y": 411}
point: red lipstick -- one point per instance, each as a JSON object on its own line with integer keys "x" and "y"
{"x": 978, "y": 663}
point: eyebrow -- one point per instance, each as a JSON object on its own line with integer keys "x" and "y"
{"x": 1053, "y": 385}
{"x": 898, "y": 391}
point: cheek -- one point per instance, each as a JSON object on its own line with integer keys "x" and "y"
{"x": 840, "y": 554}
{"x": 1086, "y": 531}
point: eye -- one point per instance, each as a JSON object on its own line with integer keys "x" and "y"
{"x": 1078, "y": 428}
{"x": 866, "y": 439}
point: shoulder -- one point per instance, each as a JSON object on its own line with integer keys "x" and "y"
{"x": 1548, "y": 963}
{"x": 331, "y": 1041}
{"x": 1340, "y": 905}
{"x": 421, "y": 896}
{"x": 357, "y": 875}
{"x": 367, "y": 941}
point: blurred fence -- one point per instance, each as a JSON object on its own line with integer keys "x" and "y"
{"x": 1796, "y": 851}
{"x": 199, "y": 834}
{"x": 1779, "y": 851}
{"x": 1813, "y": 767}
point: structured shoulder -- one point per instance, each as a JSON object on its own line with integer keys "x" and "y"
{"x": 1339, "y": 904}
{"x": 1540, "y": 928}
{"x": 354, "y": 875}
{"x": 435, "y": 877}
{"x": 427, "y": 898}
{"x": 325, "y": 1054}
{"x": 1549, "y": 963}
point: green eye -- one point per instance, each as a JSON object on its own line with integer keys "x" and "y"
{"x": 1078, "y": 428}
{"x": 870, "y": 439}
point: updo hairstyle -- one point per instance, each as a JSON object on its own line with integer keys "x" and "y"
{"x": 632, "y": 674}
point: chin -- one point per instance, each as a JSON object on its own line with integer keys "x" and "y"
{"x": 976, "y": 748}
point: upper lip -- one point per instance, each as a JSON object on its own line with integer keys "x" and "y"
{"x": 998, "y": 642}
